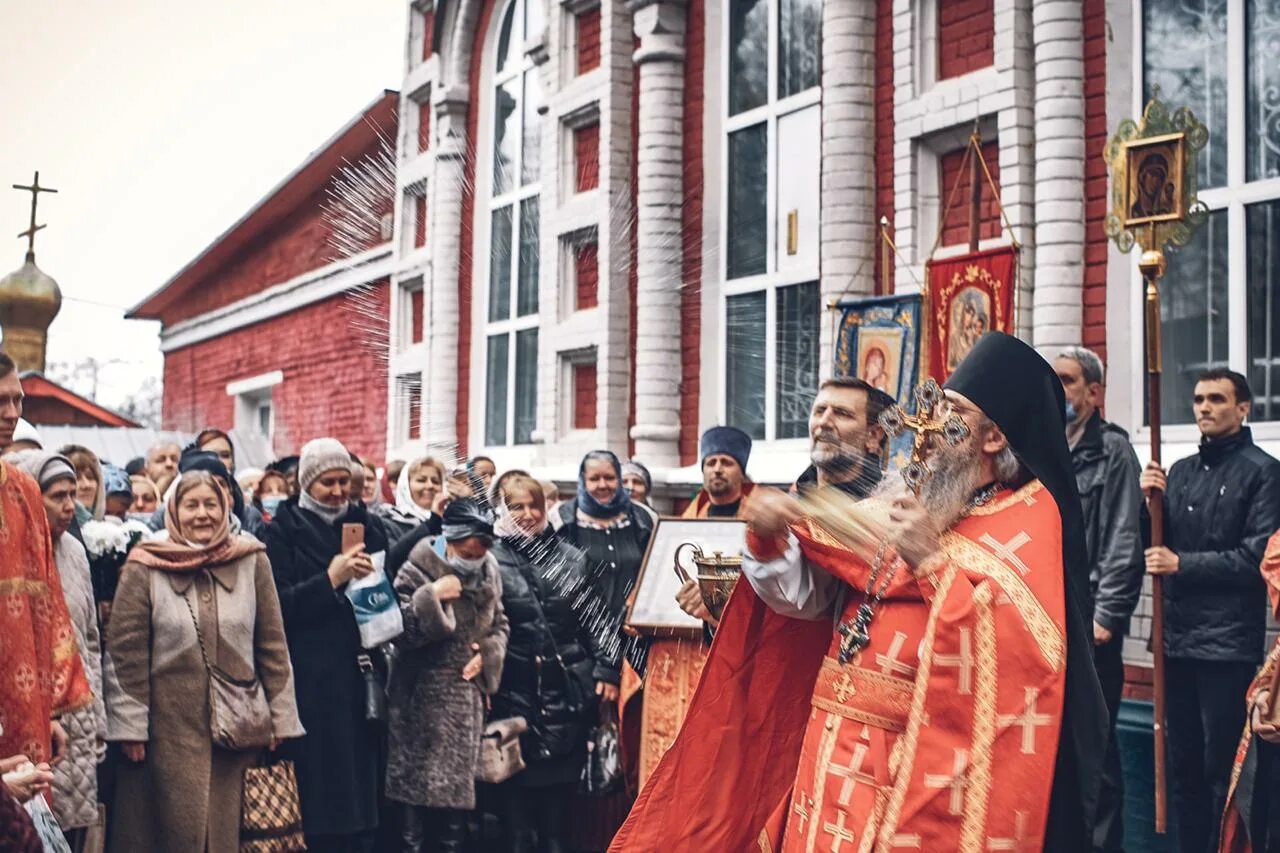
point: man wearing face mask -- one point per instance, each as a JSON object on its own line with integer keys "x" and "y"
{"x": 1106, "y": 470}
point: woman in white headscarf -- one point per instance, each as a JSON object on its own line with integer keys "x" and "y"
{"x": 420, "y": 500}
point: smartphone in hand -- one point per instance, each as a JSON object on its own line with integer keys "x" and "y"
{"x": 352, "y": 537}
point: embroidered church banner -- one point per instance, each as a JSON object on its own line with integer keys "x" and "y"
{"x": 967, "y": 296}
{"x": 878, "y": 341}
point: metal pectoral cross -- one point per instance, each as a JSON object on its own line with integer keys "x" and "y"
{"x": 925, "y": 424}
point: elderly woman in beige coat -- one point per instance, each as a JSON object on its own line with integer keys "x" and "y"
{"x": 177, "y": 790}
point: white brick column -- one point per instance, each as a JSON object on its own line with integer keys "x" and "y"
{"x": 660, "y": 25}
{"x": 1058, "y": 39}
{"x": 849, "y": 215}
{"x": 440, "y": 379}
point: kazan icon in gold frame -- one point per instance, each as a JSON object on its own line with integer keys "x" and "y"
{"x": 1154, "y": 175}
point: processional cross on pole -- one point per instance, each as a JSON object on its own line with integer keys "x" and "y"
{"x": 1154, "y": 204}
{"x": 35, "y": 189}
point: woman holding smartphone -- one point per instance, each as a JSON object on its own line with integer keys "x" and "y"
{"x": 340, "y": 761}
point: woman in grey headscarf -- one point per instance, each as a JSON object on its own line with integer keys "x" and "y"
{"x": 75, "y": 781}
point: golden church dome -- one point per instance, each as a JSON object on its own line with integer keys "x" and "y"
{"x": 29, "y": 300}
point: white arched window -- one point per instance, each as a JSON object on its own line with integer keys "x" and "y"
{"x": 509, "y": 191}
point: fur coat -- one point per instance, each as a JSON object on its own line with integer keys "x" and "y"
{"x": 184, "y": 797}
{"x": 75, "y": 780}
{"x": 436, "y": 718}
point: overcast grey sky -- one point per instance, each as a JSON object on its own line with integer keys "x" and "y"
{"x": 160, "y": 123}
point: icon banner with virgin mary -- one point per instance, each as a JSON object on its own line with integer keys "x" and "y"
{"x": 966, "y": 296}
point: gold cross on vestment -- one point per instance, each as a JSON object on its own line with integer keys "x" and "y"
{"x": 843, "y": 688}
{"x": 1029, "y": 720}
{"x": 35, "y": 189}
{"x": 1008, "y": 551}
{"x": 890, "y": 664}
{"x": 839, "y": 831}
{"x": 852, "y": 774}
{"x": 955, "y": 782}
{"x": 802, "y": 811}
{"x": 924, "y": 424}
{"x": 1019, "y": 843}
{"x": 962, "y": 661}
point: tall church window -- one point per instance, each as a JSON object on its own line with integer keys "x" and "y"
{"x": 1221, "y": 296}
{"x": 769, "y": 248}
{"x": 511, "y": 304}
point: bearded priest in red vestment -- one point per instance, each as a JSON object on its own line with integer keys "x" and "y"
{"x": 970, "y": 719}
{"x": 41, "y": 675}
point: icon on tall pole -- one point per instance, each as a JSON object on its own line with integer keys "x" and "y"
{"x": 1154, "y": 205}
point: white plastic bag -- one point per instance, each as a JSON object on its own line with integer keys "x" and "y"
{"x": 375, "y": 605}
{"x": 46, "y": 825}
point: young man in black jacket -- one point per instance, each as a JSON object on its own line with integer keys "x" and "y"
{"x": 1220, "y": 507}
{"x": 1107, "y": 471}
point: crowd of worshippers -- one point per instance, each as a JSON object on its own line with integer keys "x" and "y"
{"x": 511, "y": 597}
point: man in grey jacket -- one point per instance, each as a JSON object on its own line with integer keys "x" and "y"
{"x": 1107, "y": 473}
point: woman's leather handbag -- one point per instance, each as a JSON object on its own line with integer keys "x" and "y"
{"x": 500, "y": 756}
{"x": 239, "y": 717}
{"x": 270, "y": 815}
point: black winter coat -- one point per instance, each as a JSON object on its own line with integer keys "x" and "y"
{"x": 613, "y": 558}
{"x": 1221, "y": 507}
{"x": 339, "y": 762}
{"x": 548, "y": 677}
{"x": 1107, "y": 474}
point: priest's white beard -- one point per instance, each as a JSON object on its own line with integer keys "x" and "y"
{"x": 954, "y": 473}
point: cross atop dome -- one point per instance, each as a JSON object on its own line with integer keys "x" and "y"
{"x": 35, "y": 189}
{"x": 29, "y": 297}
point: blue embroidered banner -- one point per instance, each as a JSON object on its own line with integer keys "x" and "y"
{"x": 878, "y": 341}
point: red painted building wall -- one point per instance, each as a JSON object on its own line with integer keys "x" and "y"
{"x": 335, "y": 378}
{"x": 884, "y": 92}
{"x": 297, "y": 245}
{"x": 1095, "y": 176}
{"x": 966, "y": 36}
{"x": 691, "y": 291}
{"x": 954, "y": 188}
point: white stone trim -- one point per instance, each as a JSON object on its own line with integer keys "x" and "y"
{"x": 306, "y": 289}
{"x": 1124, "y": 28}
{"x": 849, "y": 217}
{"x": 660, "y": 26}
{"x": 1058, "y": 33}
{"x": 255, "y": 383}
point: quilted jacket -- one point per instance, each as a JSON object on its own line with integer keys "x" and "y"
{"x": 75, "y": 780}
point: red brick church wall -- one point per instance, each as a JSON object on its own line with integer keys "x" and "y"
{"x": 335, "y": 376}
{"x": 1095, "y": 176}
{"x": 297, "y": 245}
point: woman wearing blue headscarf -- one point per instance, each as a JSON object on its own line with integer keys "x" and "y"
{"x": 614, "y": 533}
{"x": 602, "y": 522}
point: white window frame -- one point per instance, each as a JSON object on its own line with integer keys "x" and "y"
{"x": 250, "y": 395}
{"x": 491, "y": 80}
{"x": 772, "y": 279}
{"x": 401, "y": 405}
{"x": 1234, "y": 197}
{"x": 568, "y": 361}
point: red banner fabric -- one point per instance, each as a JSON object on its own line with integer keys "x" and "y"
{"x": 966, "y": 296}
